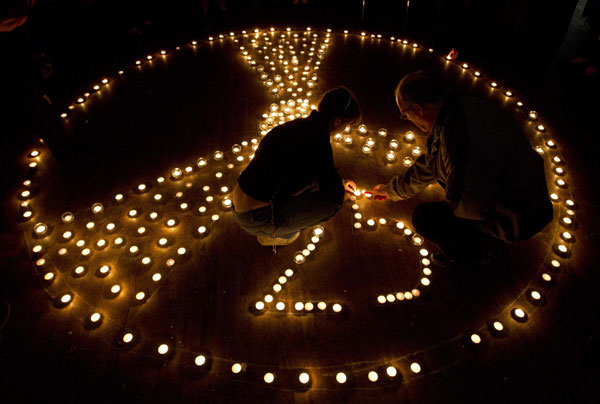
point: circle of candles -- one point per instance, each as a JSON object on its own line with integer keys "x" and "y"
{"x": 304, "y": 378}
{"x": 163, "y": 349}
{"x": 127, "y": 338}
{"x": 373, "y": 376}
{"x": 200, "y": 360}
{"x": 341, "y": 378}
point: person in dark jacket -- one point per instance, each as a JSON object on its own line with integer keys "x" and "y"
{"x": 494, "y": 181}
{"x": 292, "y": 183}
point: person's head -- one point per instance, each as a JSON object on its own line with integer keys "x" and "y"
{"x": 419, "y": 97}
{"x": 340, "y": 108}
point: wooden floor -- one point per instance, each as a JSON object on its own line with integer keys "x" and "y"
{"x": 174, "y": 109}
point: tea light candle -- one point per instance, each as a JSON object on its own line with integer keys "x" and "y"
{"x": 201, "y": 162}
{"x": 394, "y": 144}
{"x": 163, "y": 349}
{"x": 415, "y": 367}
{"x": 382, "y": 132}
{"x": 407, "y": 161}
{"x": 40, "y": 229}
{"x": 218, "y": 156}
{"x": 390, "y": 156}
{"x": 373, "y": 376}
{"x": 176, "y": 173}
{"x": 391, "y": 371}
{"x": 416, "y": 151}
{"x": 341, "y": 378}
{"x": 95, "y": 317}
{"x": 97, "y": 208}
{"x": 127, "y": 338}
{"x": 269, "y": 378}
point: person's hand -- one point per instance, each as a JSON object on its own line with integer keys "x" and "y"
{"x": 349, "y": 186}
{"x": 379, "y": 193}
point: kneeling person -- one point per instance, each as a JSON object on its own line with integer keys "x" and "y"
{"x": 292, "y": 183}
{"x": 494, "y": 181}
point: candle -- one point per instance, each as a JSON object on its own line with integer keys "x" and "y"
{"x": 391, "y": 371}
{"x": 200, "y": 360}
{"x": 304, "y": 378}
{"x": 269, "y": 378}
{"x": 340, "y": 377}
{"x": 127, "y": 338}
{"x": 475, "y": 338}
{"x": 373, "y": 376}
{"x": 394, "y": 144}
{"x": 163, "y": 349}
{"x": 415, "y": 367}
{"x": 97, "y": 208}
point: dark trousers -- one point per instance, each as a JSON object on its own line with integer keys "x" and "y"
{"x": 299, "y": 212}
{"x": 457, "y": 238}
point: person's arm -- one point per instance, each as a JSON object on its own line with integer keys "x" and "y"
{"x": 413, "y": 180}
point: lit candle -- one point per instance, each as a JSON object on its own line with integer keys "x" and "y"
{"x": 200, "y": 360}
{"x": 304, "y": 378}
{"x": 269, "y": 378}
{"x": 127, "y": 338}
{"x": 373, "y": 376}
{"x": 97, "y": 208}
{"x": 341, "y": 378}
{"x": 407, "y": 161}
{"x": 394, "y": 144}
{"x": 475, "y": 338}
{"x": 218, "y": 156}
{"x": 416, "y": 151}
{"x": 391, "y": 371}
{"x": 415, "y": 367}
{"x": 40, "y": 229}
{"x": 163, "y": 349}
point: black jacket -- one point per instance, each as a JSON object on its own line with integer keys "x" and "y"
{"x": 290, "y": 158}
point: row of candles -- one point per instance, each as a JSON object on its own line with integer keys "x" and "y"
{"x": 496, "y": 327}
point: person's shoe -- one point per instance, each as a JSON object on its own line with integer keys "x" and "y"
{"x": 277, "y": 241}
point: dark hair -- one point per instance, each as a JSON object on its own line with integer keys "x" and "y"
{"x": 340, "y": 103}
{"x": 420, "y": 88}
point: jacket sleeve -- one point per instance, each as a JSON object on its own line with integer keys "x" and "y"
{"x": 413, "y": 180}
